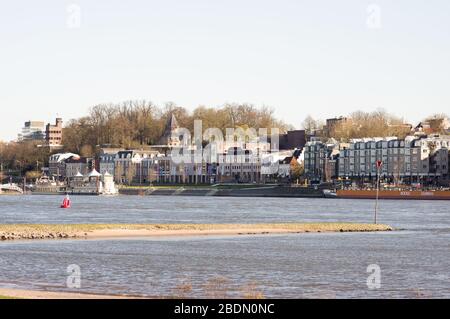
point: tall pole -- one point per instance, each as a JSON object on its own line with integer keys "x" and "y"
{"x": 379, "y": 163}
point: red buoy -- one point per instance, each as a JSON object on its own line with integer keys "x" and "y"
{"x": 66, "y": 202}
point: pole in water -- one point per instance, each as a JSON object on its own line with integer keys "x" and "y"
{"x": 379, "y": 164}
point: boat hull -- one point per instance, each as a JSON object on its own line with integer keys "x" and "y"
{"x": 394, "y": 194}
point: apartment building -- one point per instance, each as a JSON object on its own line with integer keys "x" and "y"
{"x": 53, "y": 133}
{"x": 239, "y": 165}
{"x": 106, "y": 163}
{"x": 321, "y": 160}
{"x": 128, "y": 165}
{"x": 32, "y": 131}
{"x": 163, "y": 169}
{"x": 414, "y": 159}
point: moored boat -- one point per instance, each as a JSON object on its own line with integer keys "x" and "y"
{"x": 394, "y": 194}
{"x": 47, "y": 186}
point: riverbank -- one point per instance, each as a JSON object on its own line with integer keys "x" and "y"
{"x": 7, "y": 293}
{"x": 93, "y": 231}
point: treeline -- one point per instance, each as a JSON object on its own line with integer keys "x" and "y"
{"x": 17, "y": 159}
{"x": 378, "y": 123}
{"x": 371, "y": 124}
{"x": 135, "y": 124}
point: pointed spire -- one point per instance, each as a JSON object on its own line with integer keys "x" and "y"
{"x": 171, "y": 125}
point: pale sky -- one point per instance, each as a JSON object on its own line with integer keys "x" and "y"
{"x": 318, "y": 57}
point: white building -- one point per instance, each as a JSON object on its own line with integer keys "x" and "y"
{"x": 239, "y": 165}
{"x": 32, "y": 130}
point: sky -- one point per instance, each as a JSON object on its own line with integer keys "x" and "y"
{"x": 324, "y": 58}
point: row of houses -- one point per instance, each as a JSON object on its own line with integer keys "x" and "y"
{"x": 234, "y": 160}
{"x": 149, "y": 167}
{"x": 418, "y": 158}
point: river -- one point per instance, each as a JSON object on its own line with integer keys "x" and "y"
{"x": 414, "y": 261}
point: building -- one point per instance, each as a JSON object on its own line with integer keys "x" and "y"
{"x": 106, "y": 160}
{"x": 415, "y": 159}
{"x": 32, "y": 131}
{"x": 358, "y": 160}
{"x": 162, "y": 169}
{"x": 292, "y": 140}
{"x": 257, "y": 145}
{"x": 239, "y": 166}
{"x": 78, "y": 165}
{"x": 276, "y": 167}
{"x": 106, "y": 163}
{"x": 321, "y": 160}
{"x": 128, "y": 168}
{"x": 53, "y": 133}
{"x": 423, "y": 127}
{"x": 170, "y": 139}
{"x": 332, "y": 124}
{"x": 57, "y": 164}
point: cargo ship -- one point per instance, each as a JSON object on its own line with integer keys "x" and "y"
{"x": 235, "y": 191}
{"x": 395, "y": 194}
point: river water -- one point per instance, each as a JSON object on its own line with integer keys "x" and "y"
{"x": 414, "y": 261}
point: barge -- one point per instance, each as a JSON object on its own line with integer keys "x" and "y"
{"x": 395, "y": 194}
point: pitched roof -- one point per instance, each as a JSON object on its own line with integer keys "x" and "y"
{"x": 94, "y": 173}
{"x": 171, "y": 125}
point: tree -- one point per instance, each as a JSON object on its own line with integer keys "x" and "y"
{"x": 310, "y": 125}
{"x": 438, "y": 123}
{"x": 87, "y": 151}
{"x": 33, "y": 175}
{"x": 130, "y": 173}
{"x": 133, "y": 124}
{"x": 297, "y": 170}
{"x": 370, "y": 124}
{"x": 19, "y": 158}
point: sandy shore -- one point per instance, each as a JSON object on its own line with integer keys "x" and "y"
{"x": 35, "y": 294}
{"x": 104, "y": 231}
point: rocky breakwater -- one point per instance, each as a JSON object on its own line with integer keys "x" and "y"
{"x": 25, "y": 232}
{"x": 34, "y": 235}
